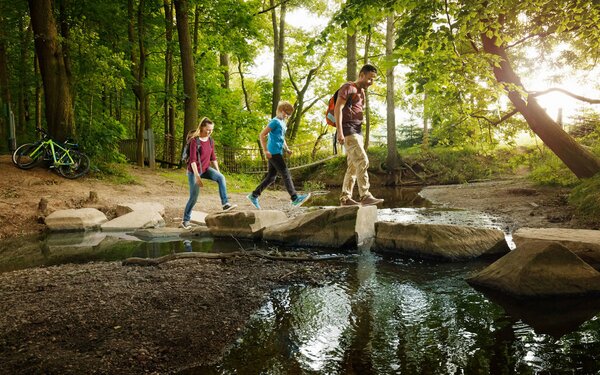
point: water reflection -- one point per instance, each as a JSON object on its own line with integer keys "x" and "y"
{"x": 403, "y": 317}
{"x": 82, "y": 247}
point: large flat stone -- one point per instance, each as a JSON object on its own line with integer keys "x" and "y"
{"x": 539, "y": 269}
{"x": 442, "y": 241}
{"x": 584, "y": 243}
{"x": 134, "y": 220}
{"x": 243, "y": 224}
{"x": 329, "y": 227}
{"x": 80, "y": 219}
{"x": 125, "y": 208}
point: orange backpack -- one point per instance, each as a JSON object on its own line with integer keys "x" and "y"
{"x": 329, "y": 114}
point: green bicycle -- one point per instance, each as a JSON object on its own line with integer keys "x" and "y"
{"x": 62, "y": 157}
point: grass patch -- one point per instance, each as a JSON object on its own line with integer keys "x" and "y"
{"x": 585, "y": 197}
{"x": 236, "y": 182}
{"x": 115, "y": 173}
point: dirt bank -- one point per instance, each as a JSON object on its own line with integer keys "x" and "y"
{"x": 516, "y": 200}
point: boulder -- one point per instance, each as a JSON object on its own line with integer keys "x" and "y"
{"x": 584, "y": 243}
{"x": 442, "y": 241}
{"x": 539, "y": 270}
{"x": 134, "y": 220}
{"x": 80, "y": 219}
{"x": 126, "y": 208}
{"x": 328, "y": 227}
{"x": 243, "y": 224}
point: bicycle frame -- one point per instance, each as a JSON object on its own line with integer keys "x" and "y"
{"x": 63, "y": 159}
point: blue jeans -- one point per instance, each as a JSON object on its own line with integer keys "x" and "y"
{"x": 211, "y": 174}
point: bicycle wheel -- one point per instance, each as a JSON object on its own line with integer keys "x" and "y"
{"x": 79, "y": 167}
{"x": 27, "y": 156}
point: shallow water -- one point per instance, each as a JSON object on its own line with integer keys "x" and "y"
{"x": 383, "y": 316}
{"x": 389, "y": 316}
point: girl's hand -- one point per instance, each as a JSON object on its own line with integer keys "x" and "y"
{"x": 199, "y": 181}
{"x": 288, "y": 151}
{"x": 268, "y": 155}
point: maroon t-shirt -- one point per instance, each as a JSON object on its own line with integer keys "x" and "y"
{"x": 207, "y": 154}
{"x": 352, "y": 112}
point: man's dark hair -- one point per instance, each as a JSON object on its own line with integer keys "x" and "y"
{"x": 368, "y": 68}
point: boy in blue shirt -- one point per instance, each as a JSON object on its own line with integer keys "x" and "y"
{"x": 273, "y": 150}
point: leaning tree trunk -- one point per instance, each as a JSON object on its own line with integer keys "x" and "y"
{"x": 392, "y": 153}
{"x": 579, "y": 160}
{"x": 190, "y": 104}
{"x": 57, "y": 93}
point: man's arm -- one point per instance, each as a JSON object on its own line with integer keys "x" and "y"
{"x": 337, "y": 112}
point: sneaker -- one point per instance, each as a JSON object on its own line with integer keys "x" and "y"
{"x": 253, "y": 200}
{"x": 229, "y": 207}
{"x": 370, "y": 200}
{"x": 185, "y": 225}
{"x": 300, "y": 199}
{"x": 349, "y": 202}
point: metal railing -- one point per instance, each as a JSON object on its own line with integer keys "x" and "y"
{"x": 234, "y": 159}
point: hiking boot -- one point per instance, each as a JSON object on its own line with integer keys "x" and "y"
{"x": 253, "y": 200}
{"x": 300, "y": 199}
{"x": 229, "y": 207}
{"x": 349, "y": 202}
{"x": 370, "y": 200}
{"x": 185, "y": 225}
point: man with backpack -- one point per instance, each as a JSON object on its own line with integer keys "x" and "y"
{"x": 348, "y": 115}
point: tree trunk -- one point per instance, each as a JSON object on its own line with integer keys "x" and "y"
{"x": 224, "y": 64}
{"x": 278, "y": 49}
{"x": 425, "y": 142}
{"x": 392, "y": 154}
{"x": 244, "y": 90}
{"x": 57, "y": 93}
{"x": 22, "y": 105}
{"x": 367, "y": 109}
{"x": 351, "y": 57}
{"x": 579, "y": 160}
{"x": 5, "y": 97}
{"x": 38, "y": 92}
{"x": 190, "y": 106}
{"x": 196, "y": 29}
{"x": 137, "y": 69}
{"x": 169, "y": 109}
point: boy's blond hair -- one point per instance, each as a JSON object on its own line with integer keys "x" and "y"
{"x": 285, "y": 106}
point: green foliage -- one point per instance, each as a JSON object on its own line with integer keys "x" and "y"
{"x": 454, "y": 165}
{"x": 586, "y": 198}
{"x": 100, "y": 138}
{"x": 547, "y": 169}
{"x": 312, "y": 185}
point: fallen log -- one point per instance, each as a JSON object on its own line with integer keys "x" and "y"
{"x": 135, "y": 261}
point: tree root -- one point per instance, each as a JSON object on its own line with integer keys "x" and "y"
{"x": 260, "y": 254}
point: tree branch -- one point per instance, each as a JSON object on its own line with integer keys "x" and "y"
{"x": 578, "y": 97}
{"x": 502, "y": 119}
{"x": 451, "y": 30}
{"x": 287, "y": 65}
{"x": 271, "y": 8}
